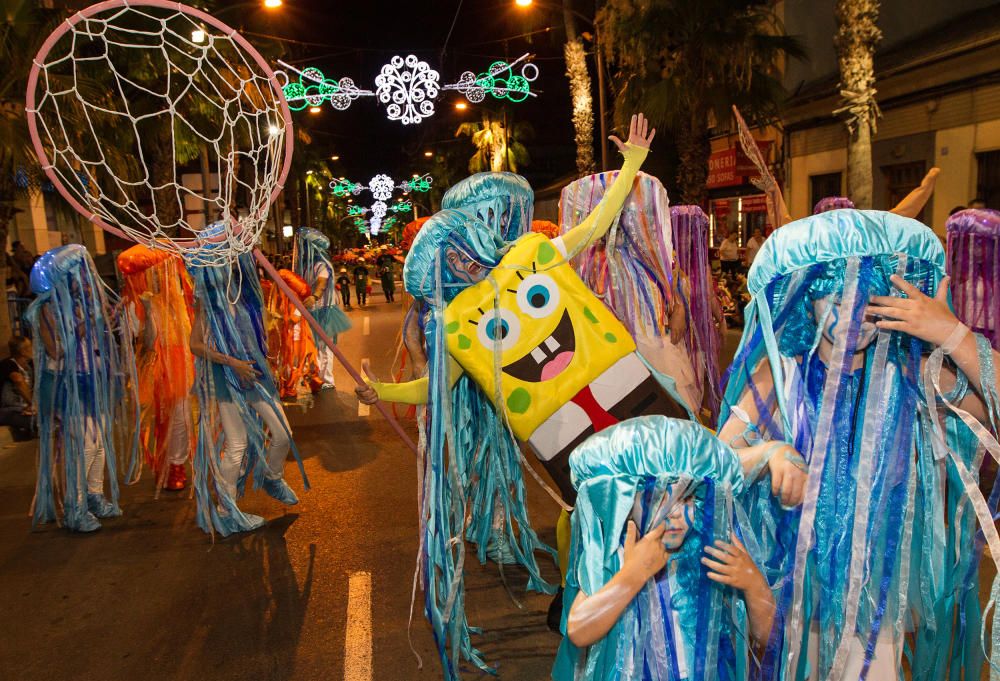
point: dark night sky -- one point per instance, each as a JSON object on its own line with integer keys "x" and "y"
{"x": 354, "y": 39}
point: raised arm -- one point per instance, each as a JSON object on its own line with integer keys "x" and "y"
{"x": 596, "y": 225}
{"x": 914, "y": 202}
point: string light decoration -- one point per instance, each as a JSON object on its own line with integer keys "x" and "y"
{"x": 382, "y": 187}
{"x": 313, "y": 89}
{"x": 344, "y": 188}
{"x": 512, "y": 87}
{"x": 407, "y": 86}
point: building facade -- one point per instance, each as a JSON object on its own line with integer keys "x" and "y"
{"x": 938, "y": 82}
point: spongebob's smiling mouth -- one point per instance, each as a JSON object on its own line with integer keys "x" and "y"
{"x": 549, "y": 358}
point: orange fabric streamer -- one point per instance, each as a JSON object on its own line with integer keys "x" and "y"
{"x": 158, "y": 287}
{"x": 291, "y": 347}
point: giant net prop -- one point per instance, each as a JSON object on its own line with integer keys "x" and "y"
{"x": 124, "y": 93}
{"x": 117, "y": 90}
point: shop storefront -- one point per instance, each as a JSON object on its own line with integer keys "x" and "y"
{"x": 735, "y": 205}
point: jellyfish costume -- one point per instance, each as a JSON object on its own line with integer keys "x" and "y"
{"x": 634, "y": 277}
{"x": 974, "y": 267}
{"x": 165, "y": 365}
{"x": 291, "y": 348}
{"x": 690, "y": 232}
{"x": 312, "y": 263}
{"x": 503, "y": 201}
{"x": 884, "y": 544}
{"x": 470, "y": 463}
{"x": 490, "y": 302}
{"x": 232, "y": 441}
{"x": 680, "y": 625}
{"x": 81, "y": 393}
{"x": 832, "y": 203}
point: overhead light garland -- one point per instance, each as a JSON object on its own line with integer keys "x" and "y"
{"x": 407, "y": 86}
{"x": 382, "y": 187}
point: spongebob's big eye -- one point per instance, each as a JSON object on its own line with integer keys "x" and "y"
{"x": 538, "y": 296}
{"x": 501, "y": 328}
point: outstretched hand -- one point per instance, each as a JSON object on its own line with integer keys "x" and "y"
{"x": 639, "y": 134}
{"x": 926, "y": 318}
{"x": 367, "y": 394}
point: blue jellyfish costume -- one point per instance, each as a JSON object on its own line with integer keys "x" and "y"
{"x": 680, "y": 620}
{"x": 312, "y": 262}
{"x": 885, "y": 542}
{"x": 88, "y": 387}
{"x": 503, "y": 201}
{"x": 232, "y": 304}
{"x": 479, "y": 471}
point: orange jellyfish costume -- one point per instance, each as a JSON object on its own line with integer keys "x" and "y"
{"x": 291, "y": 347}
{"x": 158, "y": 294}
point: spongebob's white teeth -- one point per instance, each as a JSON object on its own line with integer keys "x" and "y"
{"x": 538, "y": 355}
{"x": 552, "y": 344}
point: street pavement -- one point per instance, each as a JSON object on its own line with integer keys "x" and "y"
{"x": 322, "y": 592}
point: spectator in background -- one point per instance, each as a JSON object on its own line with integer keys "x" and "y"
{"x": 729, "y": 254}
{"x": 977, "y": 203}
{"x": 16, "y": 385}
{"x": 361, "y": 282}
{"x": 753, "y": 245}
{"x": 344, "y": 286}
{"x": 388, "y": 284}
{"x": 956, "y": 209}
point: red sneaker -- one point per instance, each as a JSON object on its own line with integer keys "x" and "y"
{"x": 176, "y": 477}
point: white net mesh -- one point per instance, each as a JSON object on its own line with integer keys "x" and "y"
{"x": 157, "y": 123}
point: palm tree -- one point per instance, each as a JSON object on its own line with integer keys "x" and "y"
{"x": 680, "y": 61}
{"x": 579, "y": 90}
{"x": 498, "y": 147}
{"x": 857, "y": 36}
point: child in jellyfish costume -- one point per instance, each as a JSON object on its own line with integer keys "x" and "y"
{"x": 291, "y": 348}
{"x": 883, "y": 554}
{"x": 82, "y": 390}
{"x": 704, "y": 313}
{"x": 974, "y": 268}
{"x": 157, "y": 295}
{"x": 631, "y": 271}
{"x": 659, "y": 587}
{"x": 312, "y": 263}
{"x": 242, "y": 428}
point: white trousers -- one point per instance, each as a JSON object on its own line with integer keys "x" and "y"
{"x": 93, "y": 457}
{"x": 324, "y": 361}
{"x": 179, "y": 440}
{"x": 235, "y": 448}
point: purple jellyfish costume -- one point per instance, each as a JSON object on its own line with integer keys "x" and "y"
{"x": 690, "y": 236}
{"x": 832, "y": 203}
{"x": 974, "y": 267}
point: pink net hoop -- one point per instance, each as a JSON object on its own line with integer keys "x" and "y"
{"x": 154, "y": 119}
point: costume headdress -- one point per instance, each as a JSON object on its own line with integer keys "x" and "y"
{"x": 503, "y": 201}
{"x": 640, "y": 469}
{"x": 974, "y": 266}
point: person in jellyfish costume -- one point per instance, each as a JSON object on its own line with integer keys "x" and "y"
{"x": 883, "y": 554}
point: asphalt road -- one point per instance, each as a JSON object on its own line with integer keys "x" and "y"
{"x": 151, "y": 597}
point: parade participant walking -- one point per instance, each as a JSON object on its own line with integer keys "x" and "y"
{"x": 157, "y": 294}
{"x": 387, "y": 278}
{"x": 237, "y": 394}
{"x": 312, "y": 263}
{"x": 344, "y": 286}
{"x": 81, "y": 391}
{"x": 361, "y": 282}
